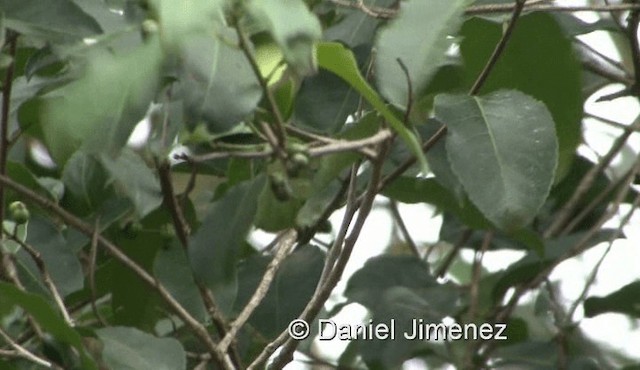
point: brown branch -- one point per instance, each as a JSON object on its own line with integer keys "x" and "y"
{"x": 22, "y": 352}
{"x": 285, "y": 245}
{"x": 44, "y": 273}
{"x": 587, "y": 181}
{"x": 11, "y": 40}
{"x": 196, "y": 327}
{"x": 499, "y": 49}
{"x": 243, "y": 42}
{"x": 395, "y": 212}
{"x": 474, "y": 292}
{"x": 182, "y": 231}
{"x": 322, "y": 294}
{"x": 388, "y": 13}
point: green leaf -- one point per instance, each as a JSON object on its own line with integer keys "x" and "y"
{"x": 214, "y": 247}
{"x": 273, "y": 214}
{"x": 324, "y": 102}
{"x": 421, "y": 52}
{"x": 128, "y": 348}
{"x": 86, "y": 182}
{"x": 171, "y": 267}
{"x": 337, "y": 59}
{"x": 218, "y": 84}
{"x": 290, "y": 290}
{"x": 503, "y": 149}
{"x": 61, "y": 261}
{"x": 179, "y": 21}
{"x": 100, "y": 110}
{"x": 554, "y": 79}
{"x": 625, "y": 300}
{"x": 135, "y": 179}
{"x": 398, "y": 288}
{"x": 292, "y": 26}
{"x": 56, "y": 20}
{"x": 48, "y": 319}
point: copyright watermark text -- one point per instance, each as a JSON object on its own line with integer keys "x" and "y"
{"x": 418, "y": 329}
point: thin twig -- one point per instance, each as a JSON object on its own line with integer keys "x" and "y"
{"x": 322, "y": 294}
{"x": 182, "y": 231}
{"x": 44, "y": 273}
{"x": 405, "y": 70}
{"x": 93, "y": 253}
{"x": 587, "y": 181}
{"x": 273, "y": 105}
{"x": 464, "y": 238}
{"x": 499, "y": 49}
{"x": 502, "y": 313}
{"x": 303, "y": 134}
{"x": 395, "y": 212}
{"x": 11, "y": 40}
{"x": 388, "y": 13}
{"x": 594, "y": 272}
{"x": 198, "y": 329}
{"x": 624, "y": 181}
{"x": 285, "y": 245}
{"x": 474, "y": 293}
{"x": 23, "y": 352}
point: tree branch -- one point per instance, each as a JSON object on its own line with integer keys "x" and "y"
{"x": 197, "y": 328}
{"x": 286, "y": 243}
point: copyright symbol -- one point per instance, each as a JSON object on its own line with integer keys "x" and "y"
{"x": 298, "y": 329}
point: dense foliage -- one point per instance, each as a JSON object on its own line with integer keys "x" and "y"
{"x": 127, "y": 253}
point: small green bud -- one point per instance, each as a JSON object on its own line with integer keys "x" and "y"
{"x": 149, "y": 27}
{"x": 19, "y": 212}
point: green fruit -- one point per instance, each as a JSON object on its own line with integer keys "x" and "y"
{"x": 19, "y": 212}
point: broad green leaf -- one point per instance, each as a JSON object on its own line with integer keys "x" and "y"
{"x": 402, "y": 289}
{"x": 171, "y": 266}
{"x": 439, "y": 160}
{"x": 273, "y": 214}
{"x": 324, "y": 102}
{"x": 554, "y": 79}
{"x": 337, "y": 59}
{"x": 135, "y": 179}
{"x": 61, "y": 261}
{"x": 131, "y": 349}
{"x": 56, "y": 20}
{"x": 86, "y": 183}
{"x": 218, "y": 85}
{"x": 214, "y": 246}
{"x": 292, "y": 26}
{"x": 48, "y": 319}
{"x": 21, "y": 174}
{"x": 418, "y": 37}
{"x": 625, "y": 300}
{"x": 290, "y": 290}
{"x": 503, "y": 149}
{"x": 100, "y": 110}
{"x": 181, "y": 20}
